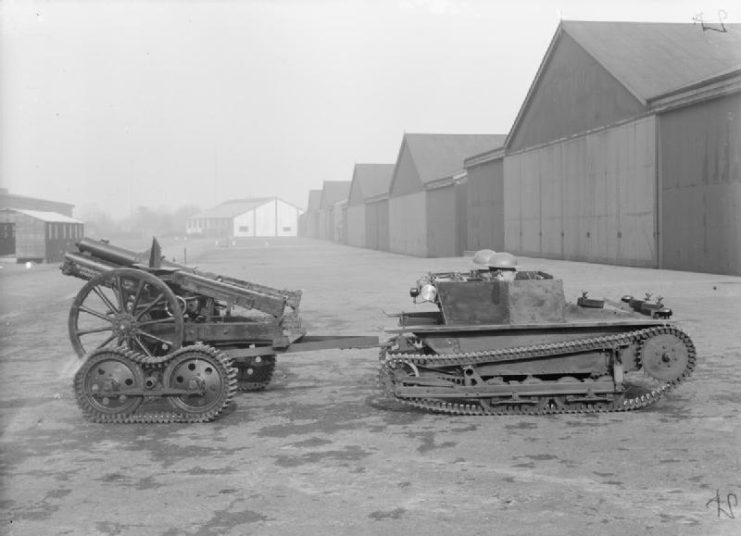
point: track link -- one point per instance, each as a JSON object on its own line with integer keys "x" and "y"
{"x": 256, "y": 376}
{"x": 621, "y": 401}
{"x": 128, "y": 367}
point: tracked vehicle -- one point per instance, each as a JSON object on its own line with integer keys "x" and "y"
{"x": 492, "y": 346}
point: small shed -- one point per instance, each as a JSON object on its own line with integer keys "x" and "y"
{"x": 41, "y": 236}
{"x": 367, "y": 206}
{"x": 332, "y": 193}
{"x": 10, "y": 200}
{"x": 241, "y": 218}
{"x": 427, "y": 192}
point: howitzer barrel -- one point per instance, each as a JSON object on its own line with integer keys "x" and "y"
{"x": 120, "y": 256}
{"x": 95, "y": 257}
{"x": 83, "y": 266}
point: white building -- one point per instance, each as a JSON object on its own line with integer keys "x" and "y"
{"x": 259, "y": 217}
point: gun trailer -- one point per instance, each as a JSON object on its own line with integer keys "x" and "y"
{"x": 153, "y": 330}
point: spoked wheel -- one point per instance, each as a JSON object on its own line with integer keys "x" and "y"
{"x": 129, "y": 308}
{"x": 209, "y": 377}
{"x": 102, "y": 381}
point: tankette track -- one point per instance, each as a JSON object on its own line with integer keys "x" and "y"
{"x": 630, "y": 398}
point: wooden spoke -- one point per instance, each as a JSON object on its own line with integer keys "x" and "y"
{"x": 118, "y": 287}
{"x": 149, "y": 306}
{"x": 95, "y": 330}
{"x": 168, "y": 320}
{"x": 102, "y": 316}
{"x": 105, "y": 299}
{"x": 143, "y": 346}
{"x": 154, "y": 337}
{"x": 108, "y": 340}
{"x": 138, "y": 294}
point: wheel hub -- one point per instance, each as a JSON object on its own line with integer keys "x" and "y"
{"x": 665, "y": 356}
{"x": 106, "y": 378}
{"x": 124, "y": 325}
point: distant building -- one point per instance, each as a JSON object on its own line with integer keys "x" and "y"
{"x": 427, "y": 196}
{"x": 332, "y": 193}
{"x": 367, "y": 206}
{"x": 240, "y": 218}
{"x": 8, "y": 200}
{"x": 310, "y": 219}
{"x": 39, "y": 236}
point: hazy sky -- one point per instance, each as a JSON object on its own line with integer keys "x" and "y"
{"x": 117, "y": 104}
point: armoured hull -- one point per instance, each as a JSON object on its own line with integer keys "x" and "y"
{"x": 518, "y": 347}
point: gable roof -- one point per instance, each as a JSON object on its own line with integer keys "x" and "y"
{"x": 315, "y": 198}
{"x": 372, "y": 180}
{"x": 654, "y": 58}
{"x": 233, "y": 208}
{"x": 650, "y": 59}
{"x": 439, "y": 156}
{"x": 43, "y": 215}
{"x": 332, "y": 192}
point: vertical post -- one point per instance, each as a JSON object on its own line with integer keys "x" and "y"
{"x": 658, "y": 236}
{"x": 185, "y": 255}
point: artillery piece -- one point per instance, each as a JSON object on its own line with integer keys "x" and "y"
{"x": 500, "y": 347}
{"x": 154, "y": 330}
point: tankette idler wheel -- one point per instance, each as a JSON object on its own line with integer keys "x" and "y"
{"x": 126, "y": 307}
{"x": 665, "y": 356}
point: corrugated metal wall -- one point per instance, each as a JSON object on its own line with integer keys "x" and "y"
{"x": 312, "y": 224}
{"x": 406, "y": 178}
{"x": 30, "y": 235}
{"x": 442, "y": 223}
{"x": 61, "y": 238}
{"x": 325, "y": 230}
{"x": 461, "y": 217}
{"x": 575, "y": 94}
{"x": 408, "y": 224}
{"x": 7, "y": 238}
{"x": 377, "y": 225}
{"x": 356, "y": 225}
{"x": 700, "y": 152}
{"x": 339, "y": 217}
{"x": 485, "y": 206}
{"x": 592, "y": 198}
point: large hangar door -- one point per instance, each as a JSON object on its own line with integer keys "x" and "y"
{"x": 592, "y": 198}
{"x": 7, "y": 238}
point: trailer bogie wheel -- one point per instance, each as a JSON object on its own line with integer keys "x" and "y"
{"x": 102, "y": 382}
{"x": 208, "y": 378}
{"x": 126, "y": 307}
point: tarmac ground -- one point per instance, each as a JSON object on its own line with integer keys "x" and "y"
{"x": 319, "y": 453}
